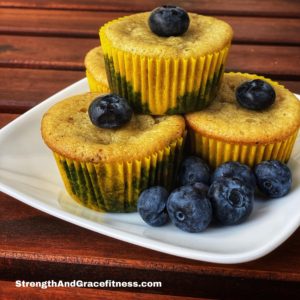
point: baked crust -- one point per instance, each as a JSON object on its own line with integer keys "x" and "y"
{"x": 132, "y": 34}
{"x": 94, "y": 64}
{"x": 225, "y": 120}
{"x": 68, "y": 131}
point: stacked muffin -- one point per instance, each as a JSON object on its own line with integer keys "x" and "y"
{"x": 166, "y": 63}
{"x": 182, "y": 74}
{"x": 160, "y": 73}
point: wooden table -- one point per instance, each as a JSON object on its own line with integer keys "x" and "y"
{"x": 42, "y": 46}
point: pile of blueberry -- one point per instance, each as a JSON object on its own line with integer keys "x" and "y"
{"x": 225, "y": 195}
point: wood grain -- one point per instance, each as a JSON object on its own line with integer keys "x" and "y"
{"x": 6, "y": 118}
{"x": 293, "y": 86}
{"x": 65, "y": 23}
{"x": 261, "y": 30}
{"x": 8, "y": 291}
{"x": 24, "y": 229}
{"x": 44, "y": 52}
{"x": 55, "y": 23}
{"x": 28, "y": 87}
{"x": 68, "y": 54}
{"x": 286, "y": 8}
{"x": 275, "y": 61}
{"x": 69, "y": 252}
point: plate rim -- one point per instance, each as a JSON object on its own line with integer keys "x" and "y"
{"x": 199, "y": 255}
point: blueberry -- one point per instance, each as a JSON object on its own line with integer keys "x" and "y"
{"x": 189, "y": 209}
{"x": 110, "y": 111}
{"x": 194, "y": 169}
{"x": 236, "y": 170}
{"x": 169, "y": 20}
{"x": 201, "y": 187}
{"x": 273, "y": 177}
{"x": 231, "y": 199}
{"x": 256, "y": 94}
{"x": 152, "y": 206}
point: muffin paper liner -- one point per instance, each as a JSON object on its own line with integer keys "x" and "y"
{"x": 158, "y": 85}
{"x": 96, "y": 86}
{"x": 116, "y": 186}
{"x": 216, "y": 152}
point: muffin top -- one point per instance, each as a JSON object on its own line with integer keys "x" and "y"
{"x": 227, "y": 121}
{"x": 94, "y": 63}
{"x": 67, "y": 130}
{"x": 132, "y": 34}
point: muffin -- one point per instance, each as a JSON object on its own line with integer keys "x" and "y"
{"x": 165, "y": 75}
{"x": 95, "y": 71}
{"x": 106, "y": 169}
{"x": 225, "y": 131}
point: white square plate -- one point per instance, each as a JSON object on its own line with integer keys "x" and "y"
{"x": 28, "y": 173}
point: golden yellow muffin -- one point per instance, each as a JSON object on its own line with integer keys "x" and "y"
{"x": 165, "y": 75}
{"x": 95, "y": 71}
{"x": 225, "y": 131}
{"x": 106, "y": 169}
